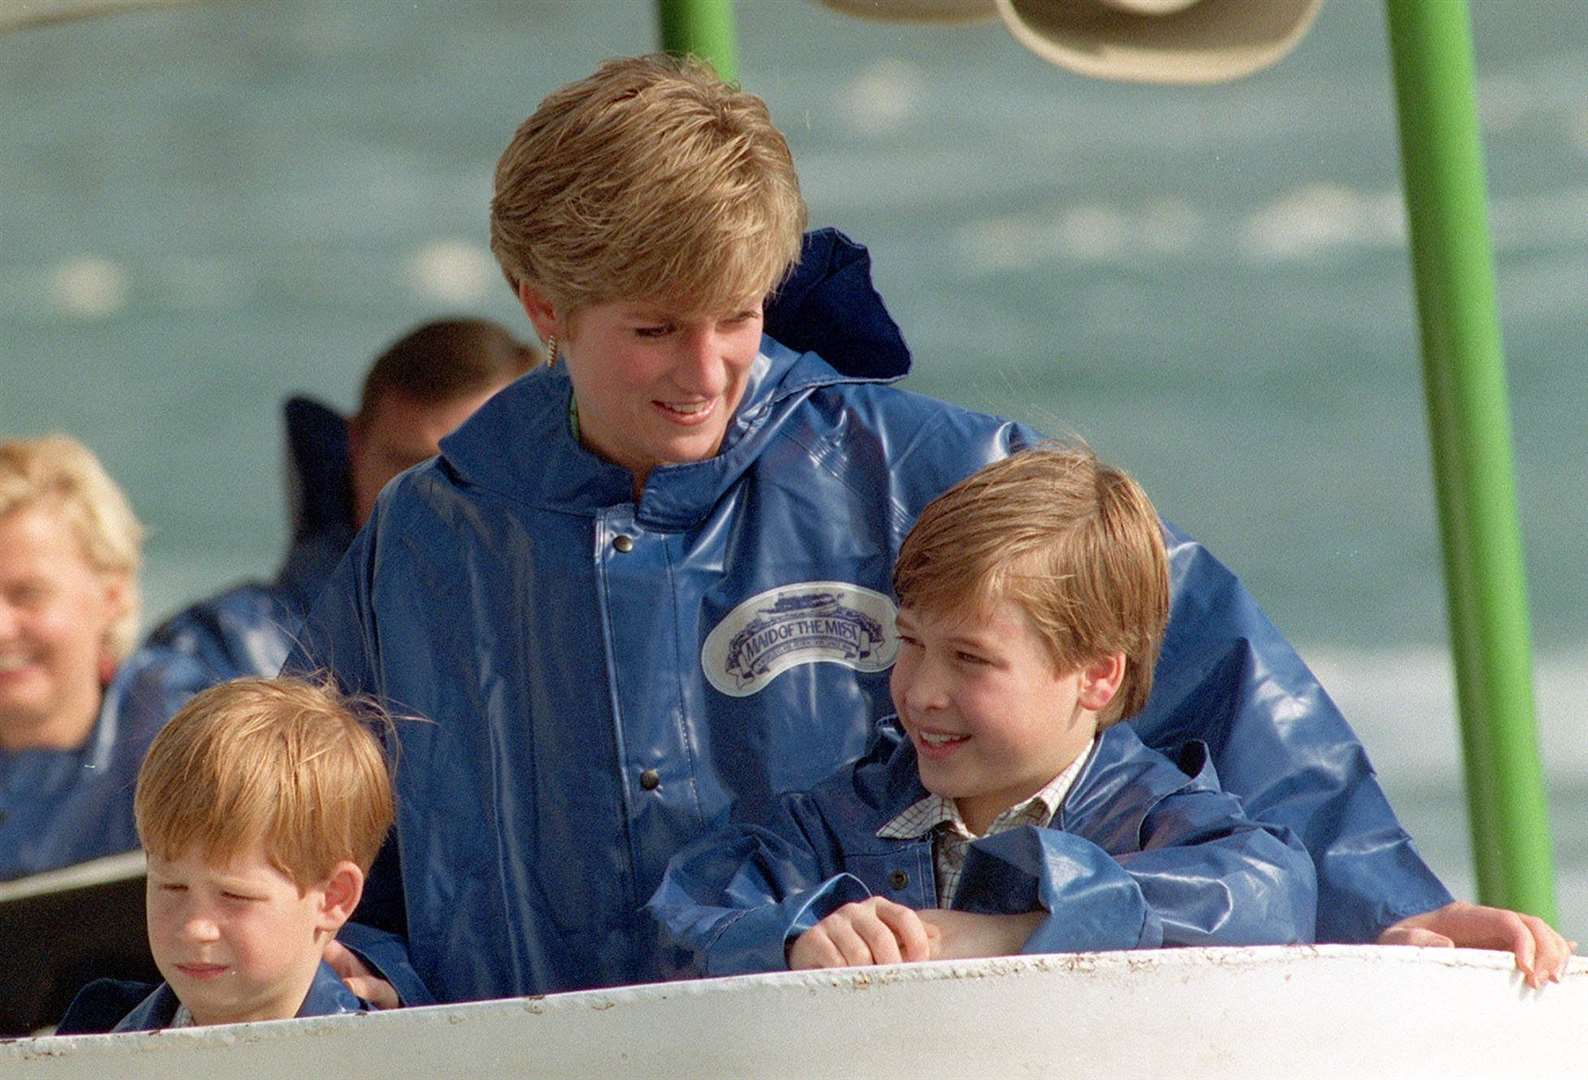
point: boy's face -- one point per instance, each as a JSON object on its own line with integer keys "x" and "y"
{"x": 236, "y": 942}
{"x": 991, "y": 718}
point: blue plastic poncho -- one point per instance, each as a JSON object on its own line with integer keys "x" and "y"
{"x": 59, "y": 807}
{"x": 1139, "y": 855}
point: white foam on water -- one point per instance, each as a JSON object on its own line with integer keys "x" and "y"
{"x": 88, "y": 287}
{"x": 883, "y": 98}
{"x": 452, "y": 271}
{"x": 1326, "y": 218}
{"x": 1321, "y": 218}
{"x": 1086, "y": 232}
{"x": 1402, "y": 702}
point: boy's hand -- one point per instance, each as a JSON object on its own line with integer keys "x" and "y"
{"x": 358, "y": 977}
{"x": 964, "y": 936}
{"x": 1541, "y": 952}
{"x": 874, "y": 931}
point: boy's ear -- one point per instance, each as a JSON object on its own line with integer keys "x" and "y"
{"x": 1100, "y": 681}
{"x": 342, "y": 892}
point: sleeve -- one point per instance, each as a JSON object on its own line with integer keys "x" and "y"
{"x": 1202, "y": 874}
{"x": 244, "y": 631}
{"x": 1227, "y": 676}
{"x": 386, "y": 954}
{"x": 735, "y": 898}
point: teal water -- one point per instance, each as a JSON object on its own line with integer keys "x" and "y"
{"x": 205, "y": 209}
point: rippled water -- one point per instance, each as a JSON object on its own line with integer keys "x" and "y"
{"x": 205, "y": 209}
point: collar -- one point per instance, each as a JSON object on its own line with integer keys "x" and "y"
{"x": 519, "y": 446}
{"x": 327, "y": 996}
{"x": 924, "y": 815}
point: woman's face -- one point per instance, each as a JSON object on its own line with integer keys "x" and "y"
{"x": 56, "y": 611}
{"x": 655, "y": 386}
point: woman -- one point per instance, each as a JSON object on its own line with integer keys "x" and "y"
{"x": 77, "y": 705}
{"x": 653, "y": 577}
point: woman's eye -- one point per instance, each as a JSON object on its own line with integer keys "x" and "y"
{"x": 652, "y": 331}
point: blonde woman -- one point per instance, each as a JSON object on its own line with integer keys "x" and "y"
{"x": 77, "y": 705}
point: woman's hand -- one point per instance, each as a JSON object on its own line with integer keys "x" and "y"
{"x": 357, "y": 976}
{"x": 1541, "y": 952}
{"x": 874, "y": 931}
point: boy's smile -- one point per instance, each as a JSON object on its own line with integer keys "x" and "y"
{"x": 991, "y": 718}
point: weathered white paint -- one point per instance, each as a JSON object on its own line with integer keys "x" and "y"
{"x": 1331, "y": 1011}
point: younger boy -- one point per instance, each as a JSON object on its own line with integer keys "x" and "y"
{"x": 1032, "y": 600}
{"x": 261, "y": 806}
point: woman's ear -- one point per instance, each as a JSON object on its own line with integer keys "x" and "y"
{"x": 117, "y": 599}
{"x": 1100, "y": 681}
{"x": 540, "y": 311}
{"x": 340, "y": 895}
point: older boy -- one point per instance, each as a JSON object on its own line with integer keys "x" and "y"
{"x": 1033, "y": 597}
{"x": 261, "y": 806}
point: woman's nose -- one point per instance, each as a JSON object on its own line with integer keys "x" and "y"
{"x": 702, "y": 369}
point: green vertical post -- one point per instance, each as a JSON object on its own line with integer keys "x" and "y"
{"x": 1470, "y": 430}
{"x": 703, "y": 28}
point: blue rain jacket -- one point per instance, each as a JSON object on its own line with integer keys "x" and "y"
{"x": 59, "y": 807}
{"x": 326, "y": 997}
{"x": 249, "y": 629}
{"x": 599, "y": 678}
{"x": 1140, "y": 854}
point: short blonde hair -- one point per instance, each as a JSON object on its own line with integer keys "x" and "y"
{"x": 60, "y": 471}
{"x": 283, "y": 763}
{"x": 1073, "y": 542}
{"x": 649, "y": 180}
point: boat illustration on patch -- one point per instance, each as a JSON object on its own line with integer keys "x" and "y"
{"x": 805, "y": 623}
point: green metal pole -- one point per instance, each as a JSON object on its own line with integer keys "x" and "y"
{"x": 1470, "y": 429}
{"x": 703, "y": 28}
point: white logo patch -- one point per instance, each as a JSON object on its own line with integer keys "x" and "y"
{"x": 804, "y": 623}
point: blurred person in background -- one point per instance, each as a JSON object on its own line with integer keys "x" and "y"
{"x": 78, "y": 705}
{"x": 422, "y": 387}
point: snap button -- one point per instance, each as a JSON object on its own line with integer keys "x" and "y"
{"x": 650, "y": 779}
{"x": 623, "y": 544}
{"x": 898, "y": 880}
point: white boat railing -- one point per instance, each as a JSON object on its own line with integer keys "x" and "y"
{"x": 1327, "y": 1011}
